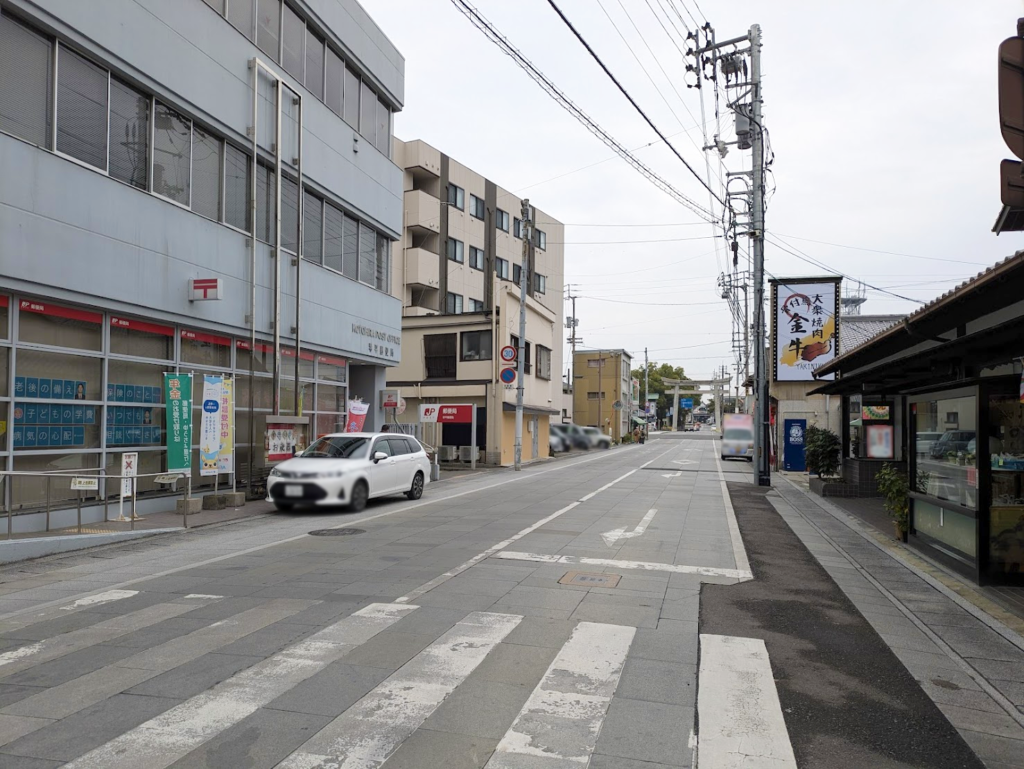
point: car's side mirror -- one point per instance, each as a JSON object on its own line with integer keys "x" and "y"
{"x": 378, "y": 456}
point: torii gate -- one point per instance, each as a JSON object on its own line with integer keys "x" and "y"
{"x": 717, "y": 392}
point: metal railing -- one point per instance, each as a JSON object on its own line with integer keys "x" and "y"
{"x": 88, "y": 479}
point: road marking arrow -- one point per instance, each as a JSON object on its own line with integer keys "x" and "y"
{"x": 613, "y": 536}
{"x": 684, "y": 462}
{"x": 670, "y": 475}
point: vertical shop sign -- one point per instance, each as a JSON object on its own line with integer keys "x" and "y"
{"x": 226, "y": 458}
{"x": 210, "y": 426}
{"x": 177, "y": 396}
{"x": 356, "y": 416}
{"x": 805, "y": 327}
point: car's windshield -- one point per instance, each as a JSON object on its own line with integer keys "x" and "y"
{"x": 591, "y": 430}
{"x": 738, "y": 434}
{"x": 338, "y": 447}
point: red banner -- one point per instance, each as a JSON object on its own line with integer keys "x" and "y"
{"x": 58, "y": 311}
{"x": 199, "y": 336}
{"x": 330, "y": 360}
{"x": 289, "y": 352}
{"x": 260, "y": 346}
{"x": 141, "y": 325}
{"x": 5, "y": 301}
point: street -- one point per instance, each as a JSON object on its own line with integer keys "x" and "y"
{"x": 621, "y": 608}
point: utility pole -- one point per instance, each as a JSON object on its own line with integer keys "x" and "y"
{"x": 600, "y": 390}
{"x": 647, "y": 392}
{"x": 762, "y": 469}
{"x": 520, "y": 363}
{"x": 571, "y": 323}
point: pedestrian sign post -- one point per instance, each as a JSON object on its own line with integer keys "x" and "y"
{"x": 129, "y": 468}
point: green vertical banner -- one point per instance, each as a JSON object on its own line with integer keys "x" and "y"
{"x": 178, "y": 397}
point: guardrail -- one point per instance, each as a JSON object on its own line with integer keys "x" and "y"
{"x": 90, "y": 479}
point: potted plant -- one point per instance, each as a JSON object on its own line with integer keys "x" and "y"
{"x": 822, "y": 452}
{"x": 892, "y": 482}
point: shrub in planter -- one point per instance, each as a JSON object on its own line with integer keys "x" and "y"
{"x": 821, "y": 451}
{"x": 893, "y": 484}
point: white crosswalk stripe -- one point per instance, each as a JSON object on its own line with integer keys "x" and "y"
{"x": 161, "y": 741}
{"x": 41, "y": 615}
{"x": 371, "y": 730}
{"x": 559, "y": 725}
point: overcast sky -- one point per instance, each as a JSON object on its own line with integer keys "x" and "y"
{"x": 882, "y": 116}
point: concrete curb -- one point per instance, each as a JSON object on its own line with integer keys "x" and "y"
{"x": 24, "y": 549}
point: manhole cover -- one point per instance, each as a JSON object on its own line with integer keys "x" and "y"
{"x": 335, "y": 532}
{"x": 586, "y": 579}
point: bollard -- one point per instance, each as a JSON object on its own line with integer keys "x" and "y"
{"x": 79, "y": 494}
{"x": 47, "y": 502}
{"x": 106, "y": 496}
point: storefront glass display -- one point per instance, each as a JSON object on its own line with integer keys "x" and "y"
{"x": 5, "y": 317}
{"x": 1006, "y": 458}
{"x": 943, "y": 439}
{"x": 329, "y": 423}
{"x": 5, "y": 359}
{"x": 262, "y": 361}
{"x": 330, "y": 368}
{"x": 59, "y": 326}
{"x": 141, "y": 339}
{"x": 951, "y": 532}
{"x": 30, "y": 491}
{"x": 330, "y": 398}
{"x": 154, "y": 461}
{"x": 205, "y": 349}
{"x": 57, "y": 376}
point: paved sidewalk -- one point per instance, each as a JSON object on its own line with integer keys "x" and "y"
{"x": 968, "y": 662}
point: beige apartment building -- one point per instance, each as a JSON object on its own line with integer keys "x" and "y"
{"x": 602, "y": 379}
{"x": 457, "y": 272}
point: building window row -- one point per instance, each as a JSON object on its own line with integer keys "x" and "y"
{"x": 456, "y": 250}
{"x": 453, "y": 304}
{"x": 501, "y": 220}
{"x": 476, "y": 207}
{"x": 540, "y": 283}
{"x": 476, "y": 258}
{"x": 457, "y": 197}
{"x": 343, "y": 244}
{"x": 289, "y": 40}
{"x": 476, "y": 345}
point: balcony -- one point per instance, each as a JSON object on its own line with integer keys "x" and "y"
{"x": 422, "y": 212}
{"x": 422, "y": 268}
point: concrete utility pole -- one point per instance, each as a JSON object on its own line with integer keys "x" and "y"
{"x": 520, "y": 363}
{"x": 647, "y": 392}
{"x": 600, "y": 392}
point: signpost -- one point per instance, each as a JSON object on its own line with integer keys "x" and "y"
{"x": 85, "y": 484}
{"x": 452, "y": 413}
{"x": 509, "y": 354}
{"x": 508, "y": 376}
{"x": 129, "y": 468}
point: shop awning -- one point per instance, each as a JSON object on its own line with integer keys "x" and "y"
{"x": 639, "y": 421}
{"x": 531, "y": 410}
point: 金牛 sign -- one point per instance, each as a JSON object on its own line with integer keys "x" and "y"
{"x": 805, "y": 332}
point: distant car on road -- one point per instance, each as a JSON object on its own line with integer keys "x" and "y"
{"x": 348, "y": 469}
{"x": 598, "y": 440}
{"x": 574, "y": 434}
{"x": 738, "y": 438}
{"x": 557, "y": 440}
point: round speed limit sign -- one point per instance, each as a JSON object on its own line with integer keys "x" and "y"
{"x": 508, "y": 353}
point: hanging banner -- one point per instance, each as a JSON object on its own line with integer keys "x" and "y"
{"x": 226, "y": 458}
{"x": 805, "y": 331}
{"x": 210, "y": 426}
{"x": 178, "y": 397}
{"x": 356, "y": 416}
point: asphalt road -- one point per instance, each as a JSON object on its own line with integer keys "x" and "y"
{"x": 510, "y": 620}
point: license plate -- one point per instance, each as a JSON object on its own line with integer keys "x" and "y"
{"x": 293, "y": 491}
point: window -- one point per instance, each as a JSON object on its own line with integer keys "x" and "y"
{"x": 293, "y": 34}
{"x": 476, "y": 258}
{"x": 540, "y": 239}
{"x": 289, "y": 214}
{"x": 206, "y": 155}
{"x": 350, "y": 258}
{"x": 237, "y": 168}
{"x": 456, "y": 197}
{"x": 26, "y": 83}
{"x": 266, "y": 208}
{"x": 383, "y": 129}
{"x": 517, "y": 270}
{"x": 439, "y": 355}
{"x": 455, "y": 250}
{"x": 54, "y": 324}
{"x": 240, "y": 17}
{"x": 543, "y": 362}
{"x": 172, "y": 154}
{"x": 81, "y": 109}
{"x": 476, "y": 305}
{"x": 476, "y": 345}
{"x": 476, "y": 207}
{"x": 268, "y": 27}
{"x": 367, "y": 255}
{"x": 453, "y": 304}
{"x": 501, "y": 268}
{"x": 540, "y": 283}
{"x": 383, "y": 263}
{"x": 334, "y": 233}
{"x": 593, "y": 396}
{"x": 314, "y": 78}
{"x": 335, "y": 86}
{"x": 312, "y": 228}
{"x": 525, "y": 355}
{"x": 501, "y": 220}
{"x": 367, "y": 112}
{"x": 129, "y": 135}
{"x": 351, "y": 95}
{"x": 517, "y": 227}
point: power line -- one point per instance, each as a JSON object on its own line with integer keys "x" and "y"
{"x": 636, "y": 106}
{"x": 651, "y": 304}
{"x": 877, "y": 251}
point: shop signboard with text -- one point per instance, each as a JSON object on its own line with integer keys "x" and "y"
{"x": 177, "y": 396}
{"x": 805, "y": 330}
{"x": 439, "y": 413}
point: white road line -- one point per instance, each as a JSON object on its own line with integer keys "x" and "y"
{"x": 738, "y": 550}
{"x": 162, "y": 740}
{"x": 572, "y": 560}
{"x": 371, "y": 730}
{"x": 613, "y": 536}
{"x": 738, "y": 712}
{"x": 30, "y": 655}
{"x": 101, "y": 598}
{"x": 37, "y": 614}
{"x": 558, "y": 726}
{"x": 428, "y": 586}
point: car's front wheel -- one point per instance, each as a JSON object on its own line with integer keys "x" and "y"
{"x": 360, "y": 496}
{"x": 416, "y": 490}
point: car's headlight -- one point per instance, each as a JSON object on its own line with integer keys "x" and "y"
{"x": 332, "y": 474}
{"x": 275, "y": 473}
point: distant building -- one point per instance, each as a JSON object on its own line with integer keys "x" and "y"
{"x": 603, "y": 379}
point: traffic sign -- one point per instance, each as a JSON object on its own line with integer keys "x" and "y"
{"x": 509, "y": 353}
{"x": 401, "y": 406}
{"x": 508, "y": 375}
{"x": 617, "y": 405}
{"x": 686, "y": 403}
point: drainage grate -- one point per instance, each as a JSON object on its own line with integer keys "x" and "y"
{"x": 587, "y": 579}
{"x": 335, "y": 532}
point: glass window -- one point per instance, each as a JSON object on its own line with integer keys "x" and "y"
{"x": 476, "y": 305}
{"x": 456, "y": 196}
{"x": 540, "y": 283}
{"x": 45, "y": 373}
{"x": 543, "y": 362}
{"x": 367, "y": 112}
{"x": 206, "y": 154}
{"x": 334, "y": 230}
{"x": 5, "y": 316}
{"x": 262, "y": 362}
{"x": 237, "y": 168}
{"x": 141, "y": 339}
{"x": 517, "y": 227}
{"x": 383, "y": 126}
{"x": 129, "y": 134}
{"x": 124, "y": 373}
{"x": 517, "y": 273}
{"x": 340, "y": 447}
{"x": 455, "y": 250}
{"x": 541, "y": 239}
{"x": 501, "y": 219}
{"x": 476, "y": 207}
{"x": 330, "y": 398}
{"x": 4, "y": 379}
{"x": 312, "y": 228}
{"x": 335, "y": 87}
{"x": 81, "y": 109}
{"x": 501, "y": 268}
{"x": 1004, "y": 451}
{"x": 383, "y": 263}
{"x": 26, "y": 83}
{"x": 266, "y": 204}
{"x": 367, "y": 255}
{"x": 476, "y": 345}
{"x": 289, "y": 214}
{"x": 266, "y": 111}
{"x": 240, "y": 16}
{"x": 293, "y": 34}
{"x": 217, "y": 5}
{"x": 269, "y": 27}
{"x": 476, "y": 258}
{"x": 305, "y": 363}
{"x": 289, "y": 126}
{"x": 263, "y": 396}
{"x": 148, "y": 462}
{"x": 329, "y": 423}
{"x": 439, "y": 355}
{"x": 53, "y": 324}
{"x": 172, "y": 154}
{"x": 454, "y": 304}
{"x": 330, "y": 368}
{"x": 205, "y": 349}
{"x": 351, "y": 97}
{"x": 314, "y": 64}
{"x": 30, "y": 491}
{"x": 351, "y": 255}
{"x": 946, "y": 466}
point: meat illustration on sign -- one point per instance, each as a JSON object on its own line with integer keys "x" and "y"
{"x": 805, "y": 329}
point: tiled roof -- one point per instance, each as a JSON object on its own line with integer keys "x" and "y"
{"x": 855, "y": 330}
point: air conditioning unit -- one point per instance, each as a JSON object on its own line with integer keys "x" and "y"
{"x": 446, "y": 453}
{"x": 466, "y": 453}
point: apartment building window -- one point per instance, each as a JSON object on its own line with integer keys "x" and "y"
{"x": 476, "y": 345}
{"x": 82, "y": 109}
{"x": 592, "y": 396}
{"x": 26, "y": 83}
{"x": 501, "y": 268}
{"x": 293, "y": 35}
{"x": 314, "y": 79}
{"x": 268, "y": 18}
{"x": 476, "y": 258}
{"x": 517, "y": 227}
{"x": 367, "y": 255}
{"x": 312, "y": 228}
{"x": 455, "y": 250}
{"x": 207, "y": 154}
{"x": 517, "y": 272}
{"x": 526, "y": 354}
{"x": 456, "y": 197}
{"x": 501, "y": 220}
{"x": 172, "y": 154}
{"x": 476, "y": 207}
{"x": 351, "y": 110}
{"x": 540, "y": 239}
{"x": 129, "y": 135}
{"x": 237, "y": 173}
{"x": 543, "y": 362}
{"x": 439, "y": 355}
{"x": 540, "y": 283}
{"x": 476, "y": 305}
{"x": 453, "y": 304}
